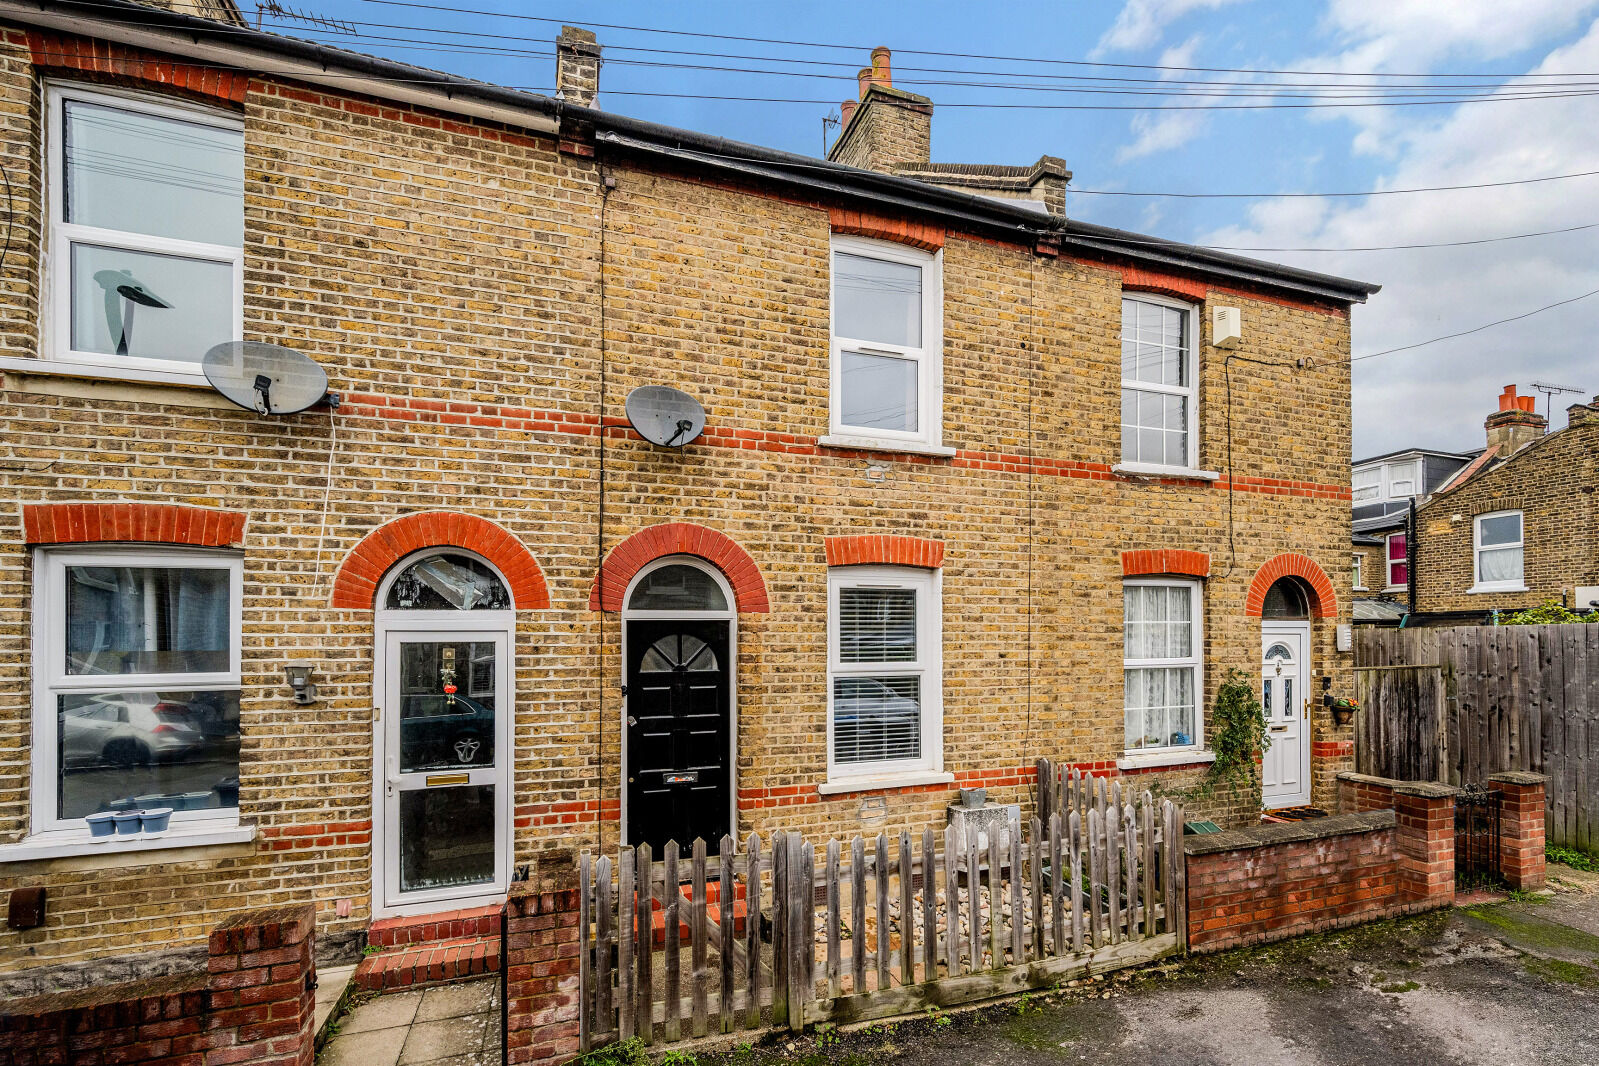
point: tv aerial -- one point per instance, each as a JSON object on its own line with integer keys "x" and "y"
{"x": 268, "y": 379}
{"x": 1550, "y": 391}
{"x": 665, "y": 416}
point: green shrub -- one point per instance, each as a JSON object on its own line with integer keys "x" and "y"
{"x": 1550, "y": 612}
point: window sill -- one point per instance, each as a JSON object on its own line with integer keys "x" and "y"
{"x": 1176, "y": 473}
{"x": 62, "y": 368}
{"x": 1360, "y": 588}
{"x": 1481, "y": 590}
{"x": 70, "y": 843}
{"x": 1179, "y": 757}
{"x": 885, "y": 782}
{"x": 878, "y": 444}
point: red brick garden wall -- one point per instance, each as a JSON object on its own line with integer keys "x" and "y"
{"x": 255, "y": 1004}
{"x": 541, "y": 974}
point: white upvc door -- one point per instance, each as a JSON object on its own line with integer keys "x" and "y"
{"x": 443, "y": 765}
{"x": 1285, "y": 676}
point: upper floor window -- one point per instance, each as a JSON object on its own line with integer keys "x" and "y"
{"x": 146, "y": 245}
{"x": 1366, "y": 484}
{"x": 1398, "y": 561}
{"x": 1159, "y": 399}
{"x": 136, "y": 686}
{"x": 1500, "y": 552}
{"x": 1161, "y": 663}
{"x": 887, "y": 341}
{"x": 884, "y": 668}
{"x": 1386, "y": 481}
{"x": 1402, "y": 480}
{"x": 1359, "y": 564}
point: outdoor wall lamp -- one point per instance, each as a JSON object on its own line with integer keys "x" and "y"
{"x": 299, "y": 675}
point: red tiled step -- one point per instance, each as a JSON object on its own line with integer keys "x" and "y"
{"x": 444, "y": 925}
{"x": 429, "y": 963}
{"x": 713, "y": 914}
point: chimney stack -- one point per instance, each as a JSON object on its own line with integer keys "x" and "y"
{"x": 886, "y": 128}
{"x": 1583, "y": 414}
{"x": 577, "y": 66}
{"x": 1516, "y": 424}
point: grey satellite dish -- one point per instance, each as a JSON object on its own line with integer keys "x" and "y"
{"x": 266, "y": 378}
{"x": 665, "y": 416}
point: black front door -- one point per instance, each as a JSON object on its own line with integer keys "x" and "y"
{"x": 678, "y": 698}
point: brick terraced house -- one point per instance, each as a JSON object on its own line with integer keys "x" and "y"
{"x": 974, "y": 486}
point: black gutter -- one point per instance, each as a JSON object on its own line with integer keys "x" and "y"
{"x": 908, "y": 193}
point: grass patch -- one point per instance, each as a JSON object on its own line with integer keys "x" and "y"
{"x": 1565, "y": 972}
{"x": 1399, "y": 986}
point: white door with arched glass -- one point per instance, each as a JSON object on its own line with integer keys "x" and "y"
{"x": 445, "y": 628}
{"x": 1285, "y": 766}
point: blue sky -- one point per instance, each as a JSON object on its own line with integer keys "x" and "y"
{"x": 1435, "y": 396}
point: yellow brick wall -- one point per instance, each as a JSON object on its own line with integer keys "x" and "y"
{"x": 441, "y": 265}
{"x": 1552, "y": 482}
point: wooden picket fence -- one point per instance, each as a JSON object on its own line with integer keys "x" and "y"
{"x": 754, "y": 939}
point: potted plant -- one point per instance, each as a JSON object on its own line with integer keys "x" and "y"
{"x": 1343, "y": 709}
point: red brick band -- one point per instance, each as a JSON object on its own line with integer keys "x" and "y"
{"x": 155, "y": 523}
{"x": 1324, "y": 601}
{"x": 680, "y": 538}
{"x": 356, "y": 585}
{"x": 900, "y": 230}
{"x": 1165, "y": 561}
{"x": 884, "y": 549}
{"x": 62, "y": 52}
{"x": 1137, "y": 279}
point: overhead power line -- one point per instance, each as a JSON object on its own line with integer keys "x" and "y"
{"x": 862, "y": 48}
{"x": 1373, "y": 247}
{"x": 1476, "y": 329}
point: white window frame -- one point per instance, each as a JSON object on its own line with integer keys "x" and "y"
{"x": 50, "y": 677}
{"x": 929, "y": 357}
{"x": 1478, "y": 584}
{"x": 928, "y": 666}
{"x": 1195, "y": 660}
{"x": 1391, "y": 474}
{"x": 1358, "y": 566}
{"x": 62, "y": 234}
{"x": 1372, "y": 491}
{"x": 1388, "y": 562}
{"x": 1191, "y": 390}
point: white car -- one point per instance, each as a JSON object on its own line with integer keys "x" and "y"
{"x": 126, "y": 729}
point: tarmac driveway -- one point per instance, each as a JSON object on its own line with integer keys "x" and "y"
{"x": 1508, "y": 984}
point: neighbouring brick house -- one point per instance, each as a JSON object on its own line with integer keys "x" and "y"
{"x": 1519, "y": 526}
{"x": 1384, "y": 490}
{"x": 965, "y": 495}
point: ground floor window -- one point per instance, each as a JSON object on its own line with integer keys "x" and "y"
{"x": 1161, "y": 664}
{"x": 136, "y": 702}
{"x": 884, "y": 671}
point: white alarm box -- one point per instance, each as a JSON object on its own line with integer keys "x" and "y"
{"x": 1226, "y": 327}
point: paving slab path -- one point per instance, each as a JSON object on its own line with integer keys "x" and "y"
{"x": 448, "y": 1025}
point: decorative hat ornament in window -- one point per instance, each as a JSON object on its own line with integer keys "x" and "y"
{"x": 447, "y": 673}
{"x": 123, "y": 293}
{"x": 665, "y": 416}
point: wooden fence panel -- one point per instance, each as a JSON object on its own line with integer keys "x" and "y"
{"x": 1457, "y": 705}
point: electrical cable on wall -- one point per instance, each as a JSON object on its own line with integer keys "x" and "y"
{"x": 607, "y": 183}
{"x": 1227, "y": 377}
{"x": 327, "y": 495}
{"x": 1032, "y": 356}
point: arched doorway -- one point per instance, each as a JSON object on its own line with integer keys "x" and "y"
{"x": 444, "y": 637}
{"x": 679, "y": 634}
{"x": 1284, "y": 695}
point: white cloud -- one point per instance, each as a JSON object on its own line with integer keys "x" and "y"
{"x": 1141, "y": 22}
{"x": 1438, "y": 395}
{"x": 1159, "y": 131}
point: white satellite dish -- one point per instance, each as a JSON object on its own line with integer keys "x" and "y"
{"x": 266, "y": 378}
{"x": 665, "y": 416}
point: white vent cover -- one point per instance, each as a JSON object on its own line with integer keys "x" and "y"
{"x": 1587, "y": 596}
{"x": 1226, "y": 327}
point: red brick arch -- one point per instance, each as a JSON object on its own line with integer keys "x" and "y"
{"x": 1165, "y": 561}
{"x": 153, "y": 523}
{"x": 1323, "y": 600}
{"x": 355, "y": 587}
{"x": 680, "y": 538}
{"x": 885, "y": 550}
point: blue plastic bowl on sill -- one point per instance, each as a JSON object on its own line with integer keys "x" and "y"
{"x": 101, "y": 825}
{"x": 156, "y": 819}
{"x": 128, "y": 822}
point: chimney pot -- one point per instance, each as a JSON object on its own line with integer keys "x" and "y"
{"x": 847, "y": 111}
{"x": 881, "y": 73}
{"x": 1507, "y": 399}
{"x": 864, "y": 80}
